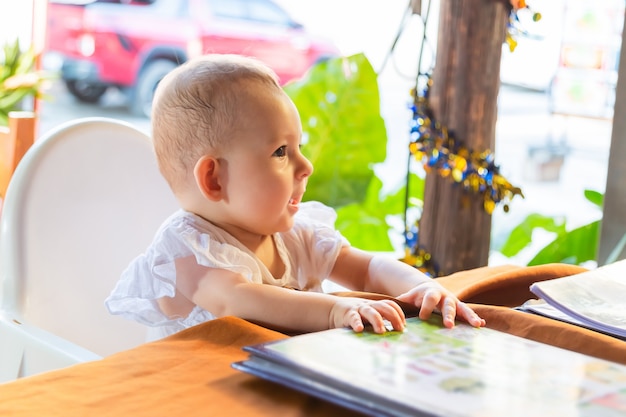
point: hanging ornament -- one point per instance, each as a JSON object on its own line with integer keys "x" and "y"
{"x": 440, "y": 152}
{"x": 514, "y": 27}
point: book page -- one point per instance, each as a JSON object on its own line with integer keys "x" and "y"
{"x": 596, "y": 297}
{"x": 463, "y": 371}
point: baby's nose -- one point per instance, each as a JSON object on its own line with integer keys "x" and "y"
{"x": 306, "y": 168}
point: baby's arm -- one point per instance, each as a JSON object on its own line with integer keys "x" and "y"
{"x": 227, "y": 293}
{"x": 359, "y": 270}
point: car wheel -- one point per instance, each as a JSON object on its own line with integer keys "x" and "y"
{"x": 149, "y": 78}
{"x": 86, "y": 92}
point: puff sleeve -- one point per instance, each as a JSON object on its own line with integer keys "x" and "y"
{"x": 152, "y": 275}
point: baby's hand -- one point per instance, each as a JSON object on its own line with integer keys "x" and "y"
{"x": 431, "y": 296}
{"x": 354, "y": 312}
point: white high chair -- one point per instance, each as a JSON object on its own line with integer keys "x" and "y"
{"x": 84, "y": 201}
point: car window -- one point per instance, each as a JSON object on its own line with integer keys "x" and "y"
{"x": 267, "y": 12}
{"x": 171, "y": 8}
{"x": 229, "y": 9}
{"x": 259, "y": 11}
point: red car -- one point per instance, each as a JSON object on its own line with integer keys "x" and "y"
{"x": 131, "y": 45}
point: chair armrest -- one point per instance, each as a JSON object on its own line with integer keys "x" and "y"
{"x": 28, "y": 350}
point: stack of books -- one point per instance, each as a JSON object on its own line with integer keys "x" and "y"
{"x": 429, "y": 370}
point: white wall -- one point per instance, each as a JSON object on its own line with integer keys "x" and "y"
{"x": 15, "y": 21}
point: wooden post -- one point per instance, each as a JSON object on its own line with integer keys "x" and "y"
{"x": 15, "y": 140}
{"x": 454, "y": 227}
{"x": 613, "y": 219}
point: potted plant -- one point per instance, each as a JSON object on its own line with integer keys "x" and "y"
{"x": 19, "y": 79}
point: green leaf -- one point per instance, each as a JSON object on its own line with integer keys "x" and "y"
{"x": 595, "y": 197}
{"x": 522, "y": 234}
{"x": 25, "y": 62}
{"x": 11, "y": 55}
{"x": 395, "y": 203}
{"x": 364, "y": 225}
{"x": 339, "y": 106}
{"x": 574, "y": 247}
{"x": 10, "y": 99}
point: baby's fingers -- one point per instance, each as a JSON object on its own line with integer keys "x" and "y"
{"x": 453, "y": 308}
{"x": 368, "y": 313}
{"x": 449, "y": 311}
{"x": 429, "y": 303}
{"x": 354, "y": 320}
{"x": 377, "y": 312}
{"x": 391, "y": 312}
{"x": 465, "y": 312}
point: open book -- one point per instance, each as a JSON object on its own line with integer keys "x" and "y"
{"x": 428, "y": 370}
{"x": 595, "y": 299}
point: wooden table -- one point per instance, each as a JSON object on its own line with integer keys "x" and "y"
{"x": 190, "y": 374}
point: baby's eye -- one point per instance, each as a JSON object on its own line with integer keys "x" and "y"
{"x": 280, "y": 152}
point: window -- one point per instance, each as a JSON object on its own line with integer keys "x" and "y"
{"x": 259, "y": 11}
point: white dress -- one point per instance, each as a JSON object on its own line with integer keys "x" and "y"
{"x": 308, "y": 251}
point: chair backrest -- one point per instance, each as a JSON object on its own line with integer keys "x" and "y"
{"x": 84, "y": 201}
{"x": 15, "y": 140}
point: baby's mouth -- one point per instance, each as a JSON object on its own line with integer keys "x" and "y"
{"x": 296, "y": 200}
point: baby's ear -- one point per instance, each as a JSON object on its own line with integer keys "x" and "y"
{"x": 207, "y": 175}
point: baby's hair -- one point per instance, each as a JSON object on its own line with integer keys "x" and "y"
{"x": 197, "y": 107}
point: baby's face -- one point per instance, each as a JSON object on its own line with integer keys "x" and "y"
{"x": 267, "y": 173}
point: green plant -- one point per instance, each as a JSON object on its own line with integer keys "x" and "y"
{"x": 574, "y": 246}
{"x": 367, "y": 224}
{"x": 18, "y": 79}
{"x": 344, "y": 133}
{"x": 345, "y": 136}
